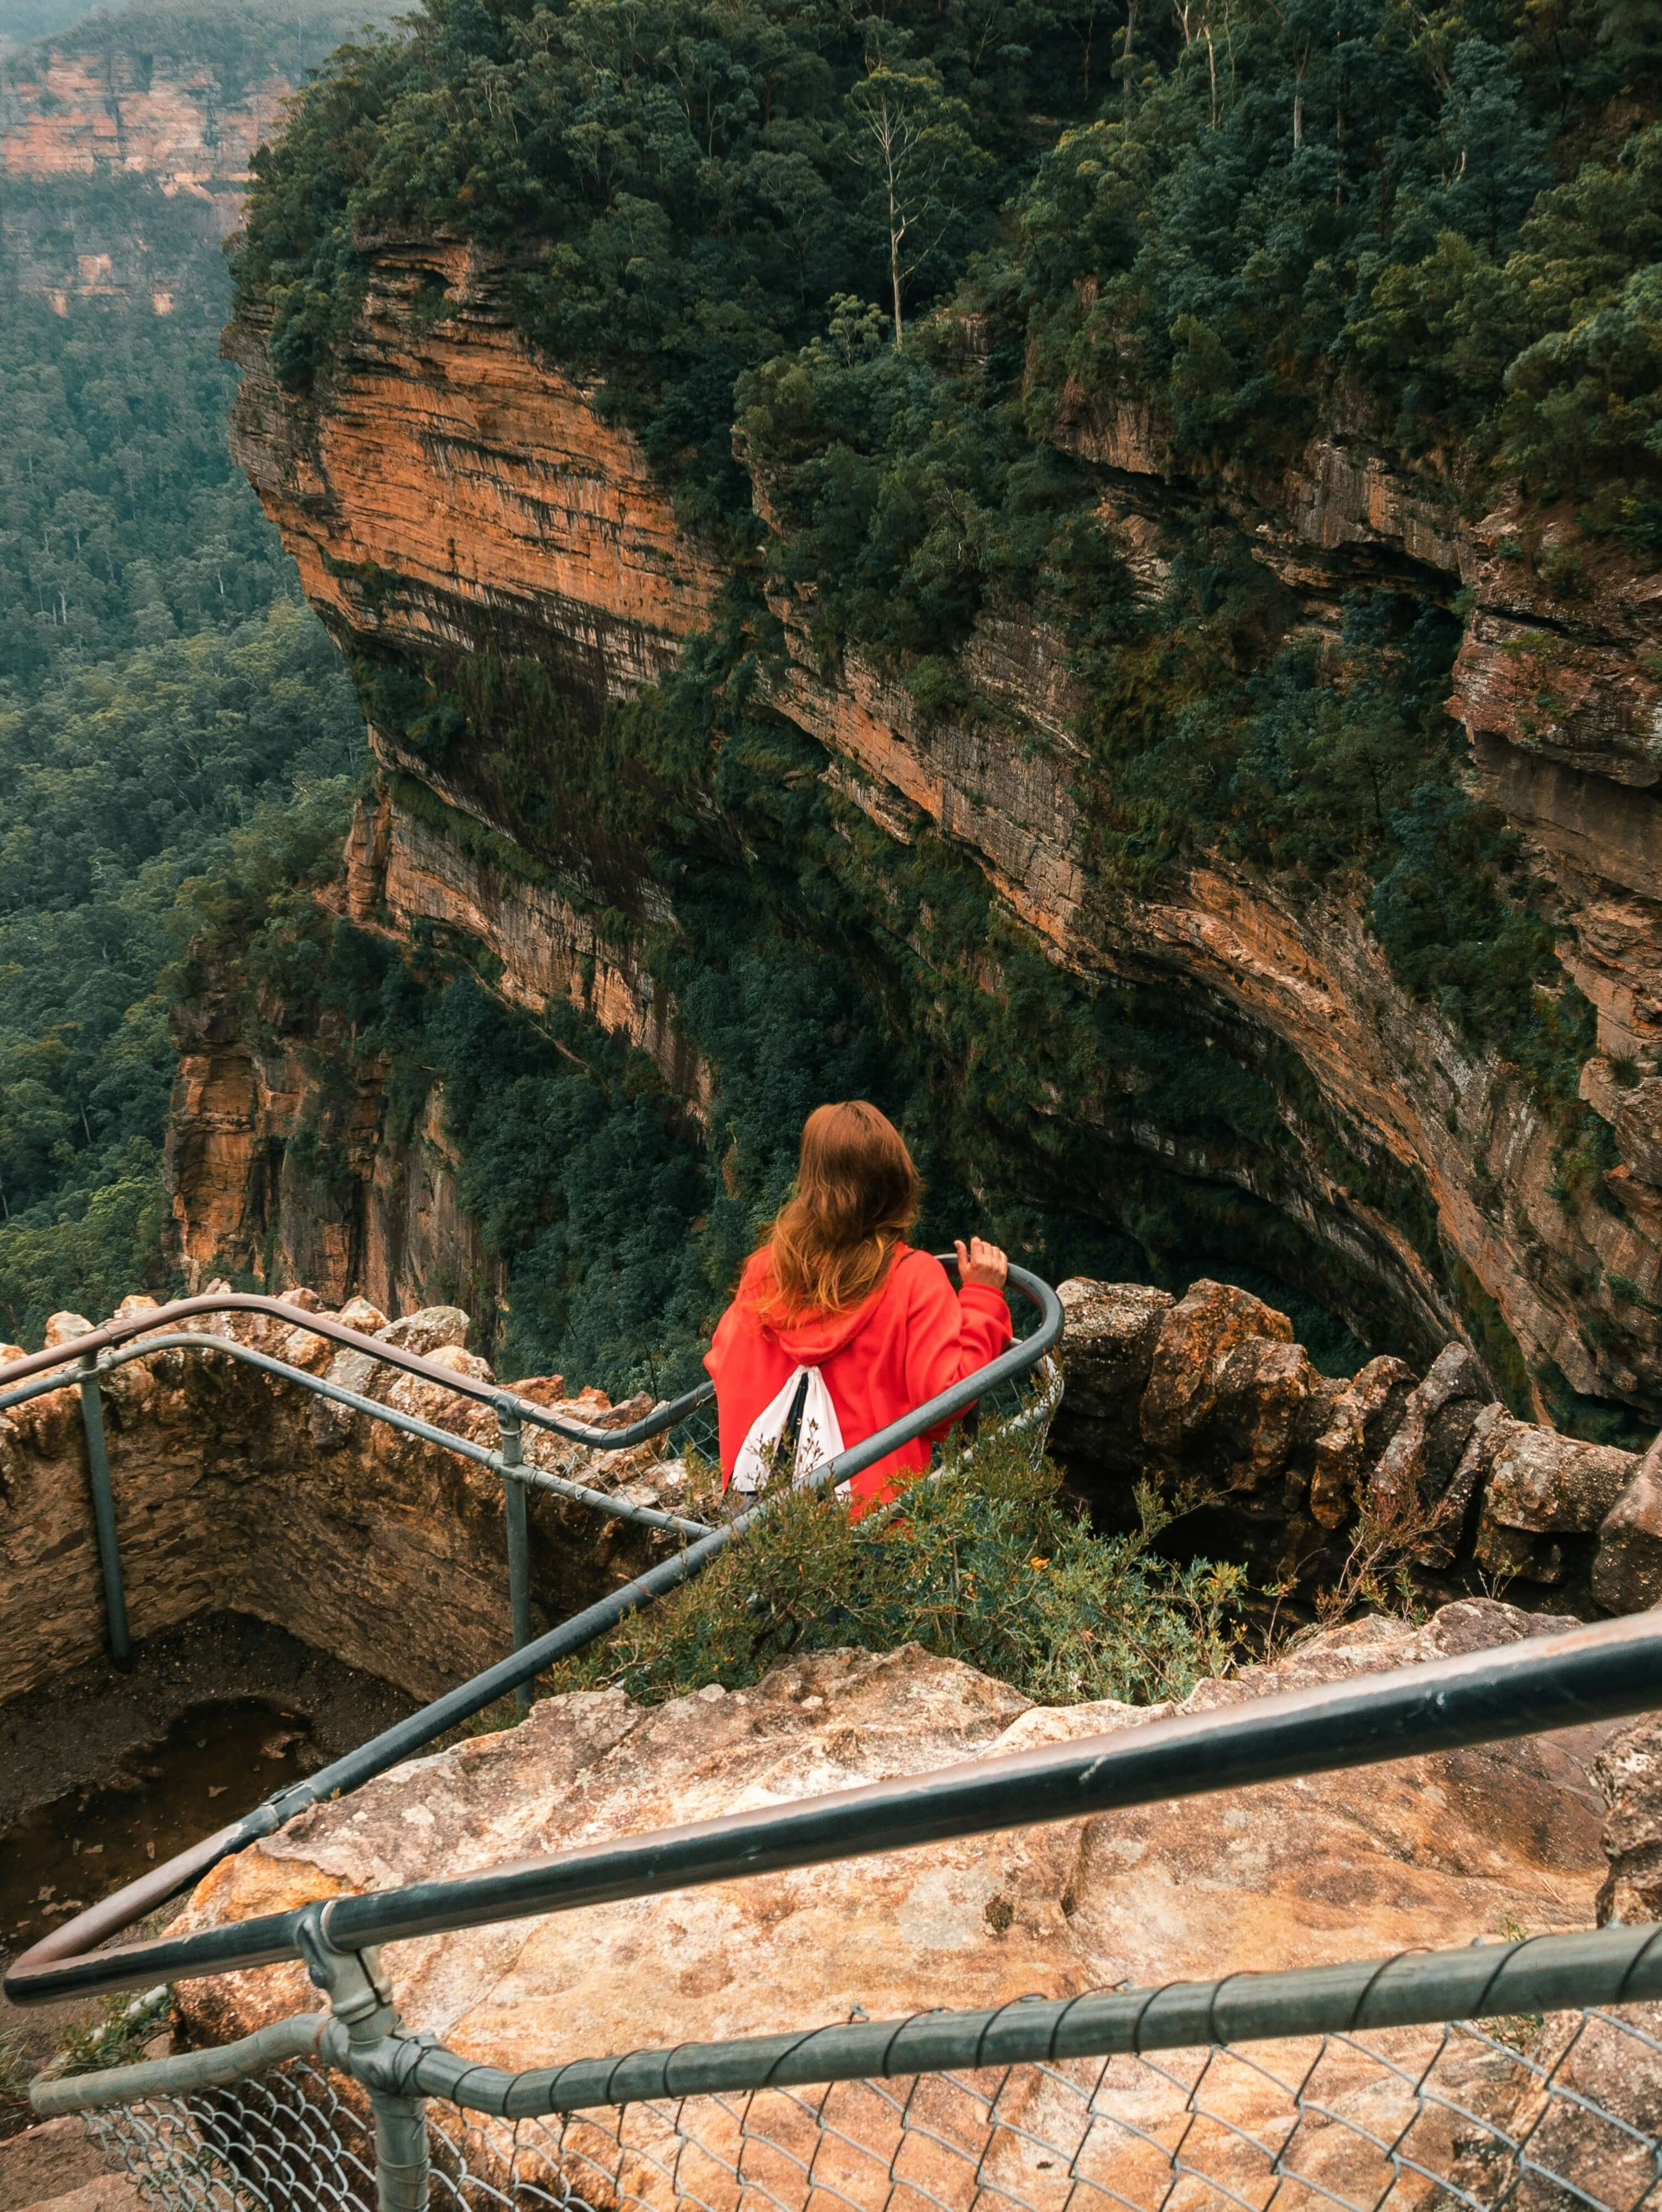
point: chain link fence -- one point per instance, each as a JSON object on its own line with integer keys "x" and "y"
{"x": 1540, "y": 2112}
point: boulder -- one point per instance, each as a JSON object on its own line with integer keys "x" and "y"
{"x": 1541, "y": 1486}
{"x": 428, "y": 1330}
{"x": 1364, "y": 1418}
{"x": 1445, "y": 1535}
{"x": 1107, "y": 1352}
{"x": 431, "y": 1332}
{"x": 1628, "y": 1771}
{"x": 1436, "y": 1425}
{"x": 1263, "y": 1388}
{"x": 358, "y": 1313}
{"x": 1197, "y": 1337}
{"x": 1433, "y": 1852}
{"x": 1584, "y": 2096}
{"x": 1627, "y": 1567}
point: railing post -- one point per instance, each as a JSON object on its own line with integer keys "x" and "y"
{"x": 519, "y": 1538}
{"x": 360, "y": 1998}
{"x": 103, "y": 1505}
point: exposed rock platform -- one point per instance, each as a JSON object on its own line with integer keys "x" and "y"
{"x": 1431, "y": 1852}
{"x": 1424, "y": 1854}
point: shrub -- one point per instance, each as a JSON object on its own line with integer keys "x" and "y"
{"x": 986, "y": 1563}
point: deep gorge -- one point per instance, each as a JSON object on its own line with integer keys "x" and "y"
{"x": 1189, "y": 752}
{"x": 614, "y": 776}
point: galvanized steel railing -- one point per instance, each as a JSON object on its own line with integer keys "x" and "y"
{"x": 119, "y": 1342}
{"x": 260, "y": 2119}
{"x": 177, "y": 2120}
{"x": 59, "y": 1962}
{"x": 1539, "y": 2110}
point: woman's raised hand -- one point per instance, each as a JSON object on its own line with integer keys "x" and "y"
{"x": 982, "y": 1263}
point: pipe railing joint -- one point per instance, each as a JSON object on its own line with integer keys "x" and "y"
{"x": 357, "y": 1985}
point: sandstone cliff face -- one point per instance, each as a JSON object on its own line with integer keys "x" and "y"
{"x": 284, "y": 1170}
{"x": 283, "y": 1163}
{"x": 455, "y": 491}
{"x": 236, "y": 1491}
{"x": 73, "y": 113}
{"x": 1435, "y": 1852}
{"x": 66, "y": 112}
{"x": 447, "y": 492}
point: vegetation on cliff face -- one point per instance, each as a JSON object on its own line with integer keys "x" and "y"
{"x": 1241, "y": 226}
{"x": 1248, "y": 210}
{"x": 683, "y": 186}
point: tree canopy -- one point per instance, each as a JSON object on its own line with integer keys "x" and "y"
{"x": 170, "y": 714}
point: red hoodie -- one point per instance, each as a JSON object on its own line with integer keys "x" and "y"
{"x": 912, "y": 1337}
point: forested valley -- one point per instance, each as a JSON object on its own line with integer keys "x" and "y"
{"x": 171, "y": 713}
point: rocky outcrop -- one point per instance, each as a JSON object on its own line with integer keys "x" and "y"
{"x": 284, "y": 1163}
{"x": 237, "y": 1491}
{"x": 74, "y": 112}
{"x": 69, "y": 110}
{"x": 1629, "y": 1770}
{"x": 454, "y": 491}
{"x": 284, "y": 1170}
{"x": 1435, "y": 1852}
{"x": 1208, "y": 1399}
{"x": 449, "y": 495}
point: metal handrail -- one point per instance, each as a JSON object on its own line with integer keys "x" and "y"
{"x": 538, "y": 1478}
{"x": 59, "y": 1962}
{"x": 115, "y": 1333}
{"x": 1612, "y": 1965}
{"x": 1587, "y": 1673}
{"x": 96, "y": 1352}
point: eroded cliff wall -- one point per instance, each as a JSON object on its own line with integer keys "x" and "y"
{"x": 453, "y": 501}
{"x": 77, "y": 114}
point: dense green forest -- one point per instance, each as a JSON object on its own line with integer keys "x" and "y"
{"x": 166, "y": 703}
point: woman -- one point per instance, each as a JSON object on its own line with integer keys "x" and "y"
{"x": 838, "y": 1326}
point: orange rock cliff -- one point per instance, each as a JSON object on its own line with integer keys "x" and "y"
{"x": 449, "y": 496}
{"x": 81, "y": 111}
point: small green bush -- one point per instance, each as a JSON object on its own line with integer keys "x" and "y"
{"x": 985, "y": 1563}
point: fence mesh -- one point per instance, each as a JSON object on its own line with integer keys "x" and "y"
{"x": 1537, "y": 2114}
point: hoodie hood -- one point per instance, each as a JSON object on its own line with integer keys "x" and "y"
{"x": 810, "y": 1339}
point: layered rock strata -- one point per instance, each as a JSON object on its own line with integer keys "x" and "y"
{"x": 1209, "y": 1399}
{"x": 70, "y": 110}
{"x": 447, "y": 494}
{"x": 237, "y": 1491}
{"x": 282, "y": 1165}
{"x": 1435, "y": 1852}
{"x": 74, "y": 115}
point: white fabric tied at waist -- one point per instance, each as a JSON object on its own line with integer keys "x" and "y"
{"x": 819, "y": 1435}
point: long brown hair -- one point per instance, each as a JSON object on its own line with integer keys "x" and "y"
{"x": 857, "y": 1194}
